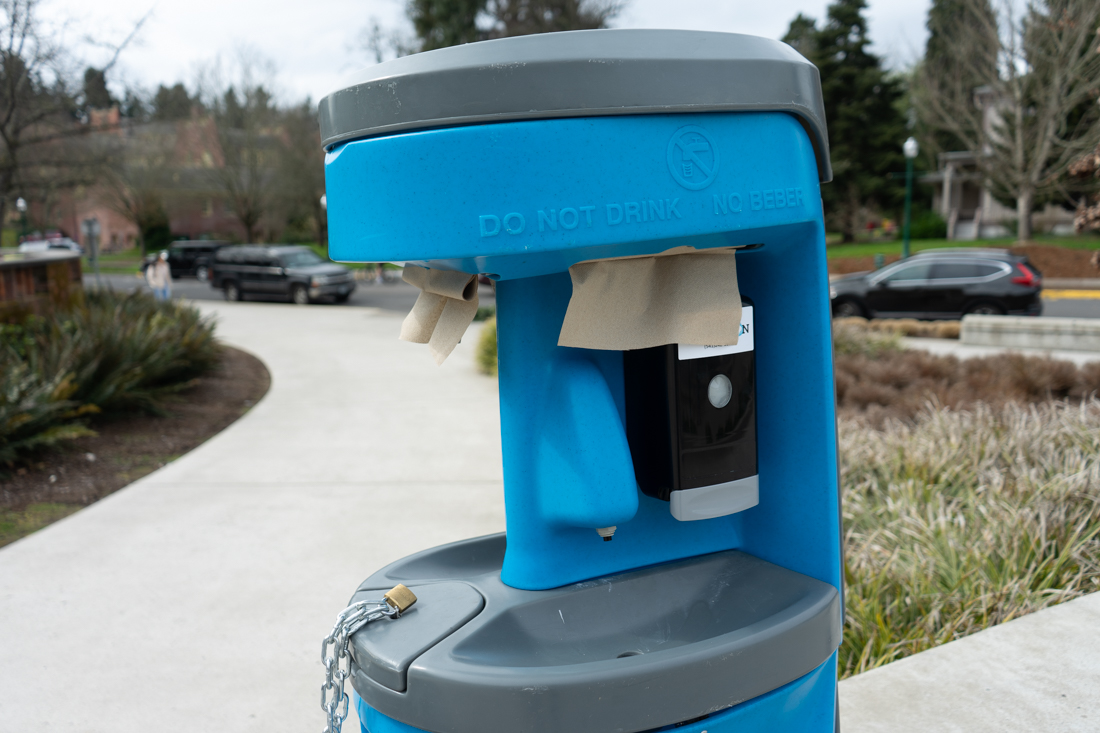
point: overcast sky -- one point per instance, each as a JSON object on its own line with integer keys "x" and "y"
{"x": 314, "y": 45}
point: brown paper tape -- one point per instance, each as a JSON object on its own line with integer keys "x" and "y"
{"x": 444, "y": 310}
{"x": 681, "y": 296}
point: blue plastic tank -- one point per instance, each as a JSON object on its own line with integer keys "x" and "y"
{"x": 518, "y": 158}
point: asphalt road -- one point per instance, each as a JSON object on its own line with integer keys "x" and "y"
{"x": 392, "y": 296}
{"x": 399, "y": 296}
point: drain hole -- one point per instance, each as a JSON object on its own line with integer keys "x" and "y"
{"x": 629, "y": 654}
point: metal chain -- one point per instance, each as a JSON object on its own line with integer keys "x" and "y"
{"x": 334, "y": 701}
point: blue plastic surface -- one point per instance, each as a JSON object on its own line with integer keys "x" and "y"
{"x": 807, "y": 705}
{"x": 525, "y": 200}
{"x": 520, "y": 199}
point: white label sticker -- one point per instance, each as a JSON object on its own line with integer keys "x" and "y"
{"x": 744, "y": 341}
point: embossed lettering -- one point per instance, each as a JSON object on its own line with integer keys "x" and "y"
{"x": 489, "y": 225}
{"x": 656, "y": 210}
{"x": 790, "y": 197}
{"x": 514, "y": 223}
{"x": 769, "y": 199}
{"x": 572, "y": 213}
{"x": 735, "y": 203}
{"x": 670, "y": 207}
{"x": 587, "y": 214}
{"x": 548, "y": 221}
{"x": 756, "y": 202}
{"x": 632, "y": 209}
{"x": 780, "y": 199}
{"x": 720, "y": 205}
{"x": 798, "y": 196}
{"x": 614, "y": 214}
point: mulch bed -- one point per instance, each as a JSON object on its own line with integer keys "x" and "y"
{"x": 128, "y": 448}
{"x": 900, "y": 384}
{"x": 1052, "y": 261}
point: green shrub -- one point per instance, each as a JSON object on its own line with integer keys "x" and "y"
{"x": 962, "y": 520}
{"x": 114, "y": 353}
{"x": 927, "y": 225}
{"x": 487, "y": 348}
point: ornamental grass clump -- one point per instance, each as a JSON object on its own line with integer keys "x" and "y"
{"x": 113, "y": 354}
{"x": 959, "y": 520}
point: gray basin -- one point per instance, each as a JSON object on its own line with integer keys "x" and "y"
{"x": 629, "y": 652}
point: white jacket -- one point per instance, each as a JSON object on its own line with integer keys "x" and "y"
{"x": 159, "y": 275}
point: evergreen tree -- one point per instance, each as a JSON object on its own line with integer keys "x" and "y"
{"x": 171, "y": 103}
{"x": 962, "y": 54}
{"x": 442, "y": 23}
{"x": 96, "y": 95}
{"x": 866, "y": 128}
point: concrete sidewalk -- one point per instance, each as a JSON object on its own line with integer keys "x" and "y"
{"x": 953, "y": 347}
{"x": 1038, "y": 673}
{"x": 196, "y": 598}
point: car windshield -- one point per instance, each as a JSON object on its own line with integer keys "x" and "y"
{"x": 303, "y": 258}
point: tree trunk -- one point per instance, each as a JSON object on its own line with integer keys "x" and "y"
{"x": 1024, "y": 203}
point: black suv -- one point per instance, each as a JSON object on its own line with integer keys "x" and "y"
{"x": 279, "y": 271}
{"x": 943, "y": 284}
{"x": 188, "y": 259}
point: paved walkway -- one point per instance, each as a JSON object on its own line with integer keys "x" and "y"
{"x": 196, "y": 599}
{"x": 1039, "y": 673}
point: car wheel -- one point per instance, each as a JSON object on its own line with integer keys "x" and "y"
{"x": 985, "y": 309}
{"x": 848, "y": 309}
{"x": 232, "y": 292}
{"x": 201, "y": 273}
{"x": 299, "y": 295}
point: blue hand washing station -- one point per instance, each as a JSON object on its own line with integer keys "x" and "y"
{"x": 672, "y": 557}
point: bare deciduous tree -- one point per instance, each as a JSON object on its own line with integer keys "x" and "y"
{"x": 245, "y": 118}
{"x": 137, "y": 178}
{"x": 1036, "y": 111}
{"x": 35, "y": 93}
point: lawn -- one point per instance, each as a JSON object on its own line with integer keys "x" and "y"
{"x": 869, "y": 249}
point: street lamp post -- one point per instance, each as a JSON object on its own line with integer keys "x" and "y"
{"x": 21, "y": 206}
{"x": 911, "y": 149}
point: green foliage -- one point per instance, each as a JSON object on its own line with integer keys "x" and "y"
{"x": 961, "y": 53}
{"x": 927, "y": 225}
{"x": 441, "y": 23}
{"x": 963, "y": 520}
{"x": 115, "y": 354}
{"x": 485, "y": 312}
{"x": 866, "y": 129}
{"x": 487, "y": 348}
{"x": 96, "y": 95}
{"x": 172, "y": 103}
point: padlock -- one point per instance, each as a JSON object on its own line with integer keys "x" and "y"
{"x": 400, "y": 598}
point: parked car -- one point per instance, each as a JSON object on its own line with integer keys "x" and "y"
{"x": 54, "y": 243}
{"x": 279, "y": 271}
{"x": 192, "y": 259}
{"x": 943, "y": 284}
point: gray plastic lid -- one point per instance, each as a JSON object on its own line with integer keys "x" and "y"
{"x": 580, "y": 74}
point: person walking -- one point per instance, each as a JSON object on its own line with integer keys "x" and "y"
{"x": 159, "y": 277}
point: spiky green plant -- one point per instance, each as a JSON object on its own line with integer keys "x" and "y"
{"x": 114, "y": 353}
{"x": 957, "y": 521}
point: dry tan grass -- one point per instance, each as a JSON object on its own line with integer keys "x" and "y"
{"x": 904, "y": 326}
